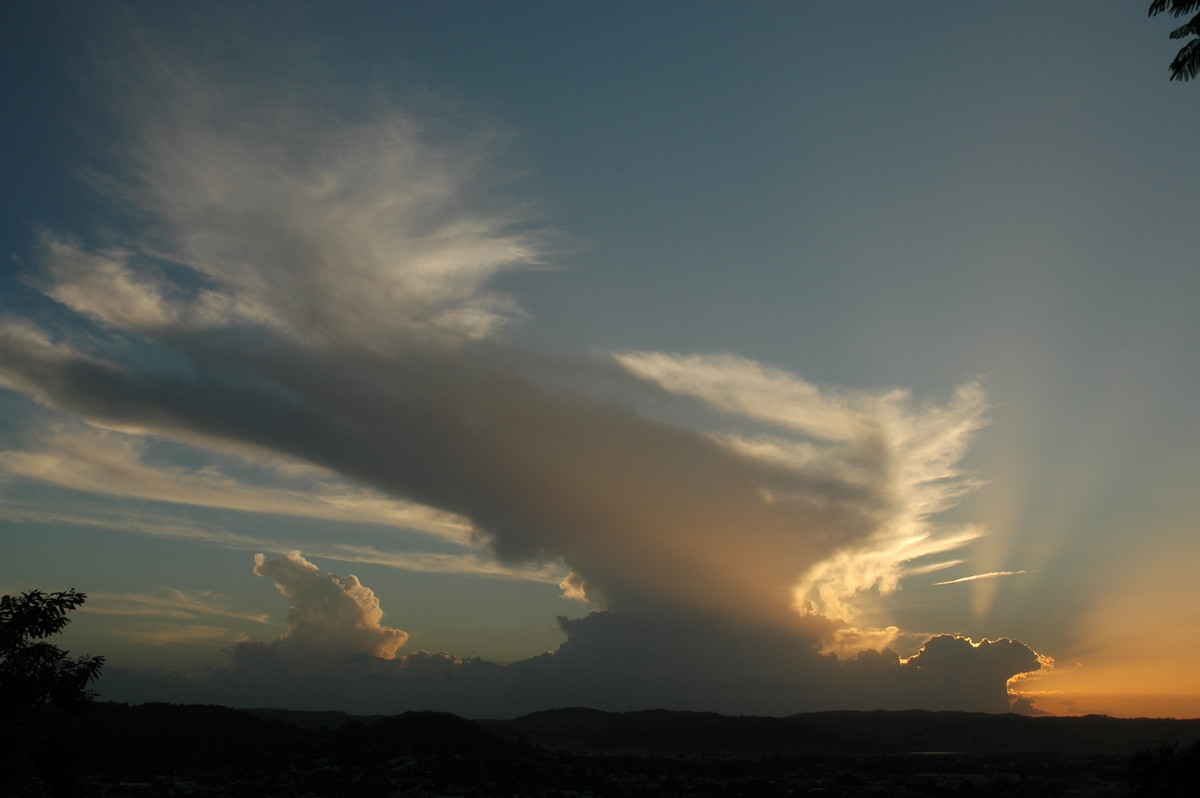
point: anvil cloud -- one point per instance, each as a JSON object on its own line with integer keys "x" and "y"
{"x": 320, "y": 289}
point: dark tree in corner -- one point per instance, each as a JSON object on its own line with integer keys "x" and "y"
{"x": 34, "y": 673}
{"x": 1187, "y": 61}
{"x": 41, "y": 688}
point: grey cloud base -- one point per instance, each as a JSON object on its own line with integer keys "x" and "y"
{"x": 337, "y": 654}
{"x": 614, "y": 664}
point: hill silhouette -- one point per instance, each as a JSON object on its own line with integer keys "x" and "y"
{"x": 192, "y": 750}
{"x": 666, "y": 733}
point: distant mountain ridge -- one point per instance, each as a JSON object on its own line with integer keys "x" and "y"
{"x": 153, "y": 732}
{"x": 220, "y": 731}
{"x": 670, "y": 733}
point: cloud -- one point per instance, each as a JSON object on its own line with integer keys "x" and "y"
{"x": 440, "y": 563}
{"x": 359, "y": 233}
{"x": 974, "y": 577}
{"x": 319, "y": 287}
{"x": 114, "y": 464}
{"x": 952, "y": 672}
{"x": 169, "y": 617}
{"x": 165, "y": 634}
{"x": 171, "y": 604}
{"x": 641, "y": 511}
{"x": 111, "y": 463}
{"x": 102, "y": 286}
{"x": 93, "y": 516}
{"x": 329, "y": 613}
{"x": 609, "y": 660}
{"x": 166, "y": 526}
{"x": 904, "y": 455}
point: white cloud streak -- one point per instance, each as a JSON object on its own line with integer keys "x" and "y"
{"x": 171, "y": 604}
{"x": 975, "y": 577}
{"x": 155, "y": 525}
{"x": 172, "y": 617}
{"x": 469, "y": 564}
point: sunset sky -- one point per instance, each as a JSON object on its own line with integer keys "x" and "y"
{"x": 490, "y": 357}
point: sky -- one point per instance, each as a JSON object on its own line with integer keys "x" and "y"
{"x": 756, "y": 358}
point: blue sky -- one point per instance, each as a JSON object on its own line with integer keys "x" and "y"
{"x": 702, "y": 304}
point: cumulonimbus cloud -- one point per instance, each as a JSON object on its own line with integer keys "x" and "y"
{"x": 322, "y": 288}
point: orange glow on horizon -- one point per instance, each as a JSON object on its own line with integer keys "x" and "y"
{"x": 1114, "y": 704}
{"x": 1127, "y": 688}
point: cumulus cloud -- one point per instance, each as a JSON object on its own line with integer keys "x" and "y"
{"x": 329, "y": 613}
{"x": 321, "y": 287}
{"x": 952, "y": 672}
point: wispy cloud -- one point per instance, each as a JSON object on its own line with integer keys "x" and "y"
{"x": 171, "y": 603}
{"x": 164, "y": 634}
{"x": 974, "y": 577}
{"x": 156, "y": 525}
{"x": 468, "y": 561}
{"x": 918, "y": 570}
{"x": 902, "y": 456}
{"x": 115, "y": 464}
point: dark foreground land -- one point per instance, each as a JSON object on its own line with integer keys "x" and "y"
{"x": 169, "y": 750}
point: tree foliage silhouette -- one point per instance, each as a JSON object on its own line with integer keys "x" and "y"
{"x": 40, "y": 689}
{"x": 1187, "y": 61}
{"x": 34, "y": 673}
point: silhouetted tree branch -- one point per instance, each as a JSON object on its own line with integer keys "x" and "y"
{"x": 1187, "y": 61}
{"x": 33, "y": 672}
